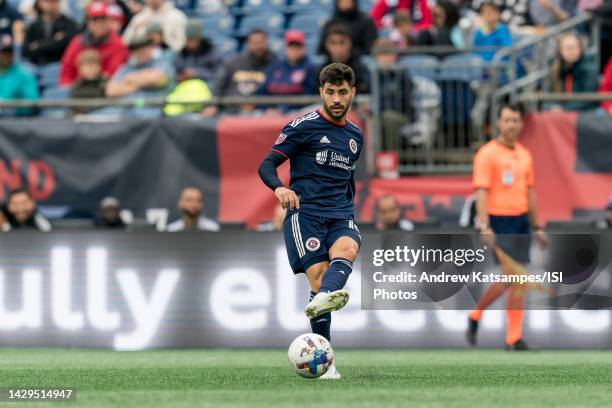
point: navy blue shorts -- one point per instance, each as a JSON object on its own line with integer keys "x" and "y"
{"x": 309, "y": 238}
{"x": 513, "y": 235}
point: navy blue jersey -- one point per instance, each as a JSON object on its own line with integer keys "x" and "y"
{"x": 322, "y": 156}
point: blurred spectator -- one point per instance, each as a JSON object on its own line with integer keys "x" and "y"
{"x": 360, "y": 25}
{"x": 295, "y": 75}
{"x": 11, "y": 22}
{"x": 445, "y": 30}
{"x": 606, "y": 223}
{"x": 49, "y": 35}
{"x": 98, "y": 36}
{"x": 155, "y": 34}
{"x": 28, "y": 8}
{"x": 4, "y": 224}
{"x": 110, "y": 214}
{"x": 15, "y": 81}
{"x": 143, "y": 75}
{"x": 547, "y": 13}
{"x": 492, "y": 33}
{"x": 513, "y": 13}
{"x": 402, "y": 34}
{"x": 244, "y": 74}
{"x": 572, "y": 72}
{"x": 123, "y": 11}
{"x": 198, "y": 60}
{"x": 276, "y": 224}
{"x": 116, "y": 18}
{"x": 420, "y": 12}
{"x": 389, "y": 215}
{"x": 339, "y": 48}
{"x": 586, "y": 5}
{"x": 91, "y": 83}
{"x": 22, "y": 212}
{"x": 190, "y": 205}
{"x": 606, "y": 86}
{"x": 395, "y": 87}
{"x": 171, "y": 19}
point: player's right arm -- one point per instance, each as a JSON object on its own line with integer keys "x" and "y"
{"x": 286, "y": 145}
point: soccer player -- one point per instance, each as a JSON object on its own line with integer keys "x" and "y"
{"x": 321, "y": 236}
{"x": 506, "y": 205}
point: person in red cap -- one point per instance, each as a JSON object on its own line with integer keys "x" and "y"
{"x": 116, "y": 18}
{"x": 295, "y": 74}
{"x": 99, "y": 36}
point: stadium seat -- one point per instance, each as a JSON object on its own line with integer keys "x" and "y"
{"x": 48, "y": 75}
{"x": 225, "y": 45}
{"x": 422, "y": 65}
{"x": 277, "y": 45}
{"x": 310, "y": 24}
{"x": 261, "y": 6}
{"x": 310, "y": 6}
{"x": 466, "y": 67}
{"x": 312, "y": 45}
{"x": 271, "y": 22}
{"x": 218, "y": 24}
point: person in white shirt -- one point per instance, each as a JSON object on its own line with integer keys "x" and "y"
{"x": 172, "y": 20}
{"x": 190, "y": 205}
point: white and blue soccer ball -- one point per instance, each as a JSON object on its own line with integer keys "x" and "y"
{"x": 310, "y": 355}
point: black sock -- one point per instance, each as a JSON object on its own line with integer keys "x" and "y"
{"x": 321, "y": 325}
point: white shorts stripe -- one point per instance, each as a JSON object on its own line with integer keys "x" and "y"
{"x": 297, "y": 235}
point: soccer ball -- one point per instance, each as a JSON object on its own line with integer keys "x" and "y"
{"x": 310, "y": 355}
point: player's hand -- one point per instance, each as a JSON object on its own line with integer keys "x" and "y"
{"x": 287, "y": 198}
{"x": 541, "y": 237}
{"x": 487, "y": 236}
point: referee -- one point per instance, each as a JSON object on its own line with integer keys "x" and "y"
{"x": 507, "y": 215}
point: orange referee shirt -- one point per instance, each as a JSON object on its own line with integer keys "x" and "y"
{"x": 507, "y": 173}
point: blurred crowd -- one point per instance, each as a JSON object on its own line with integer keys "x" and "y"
{"x": 20, "y": 212}
{"x": 156, "y": 48}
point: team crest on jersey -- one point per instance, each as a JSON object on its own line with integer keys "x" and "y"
{"x": 353, "y": 146}
{"x": 281, "y": 138}
{"x": 321, "y": 157}
{"x": 312, "y": 244}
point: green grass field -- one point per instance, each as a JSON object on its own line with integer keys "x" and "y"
{"x": 262, "y": 378}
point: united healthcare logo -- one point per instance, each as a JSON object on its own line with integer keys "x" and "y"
{"x": 322, "y": 157}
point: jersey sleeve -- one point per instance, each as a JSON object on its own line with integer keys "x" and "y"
{"x": 288, "y": 142}
{"x": 483, "y": 170}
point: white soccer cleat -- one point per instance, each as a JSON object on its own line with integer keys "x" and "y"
{"x": 326, "y": 302}
{"x": 331, "y": 373}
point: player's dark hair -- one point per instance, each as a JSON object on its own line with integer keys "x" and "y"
{"x": 514, "y": 107}
{"x": 336, "y": 73}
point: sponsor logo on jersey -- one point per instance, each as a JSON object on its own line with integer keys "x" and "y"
{"x": 353, "y": 146}
{"x": 312, "y": 244}
{"x": 281, "y": 138}
{"x": 324, "y": 139}
{"x": 321, "y": 157}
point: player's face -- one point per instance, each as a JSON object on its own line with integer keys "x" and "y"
{"x": 337, "y": 99}
{"x": 21, "y": 206}
{"x": 510, "y": 124}
{"x": 191, "y": 202}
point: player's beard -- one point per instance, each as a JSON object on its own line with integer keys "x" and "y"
{"x": 334, "y": 116}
